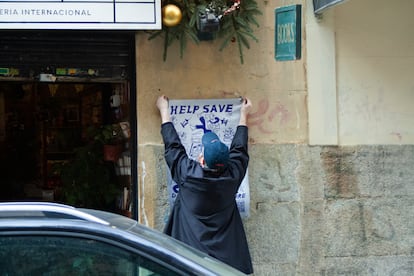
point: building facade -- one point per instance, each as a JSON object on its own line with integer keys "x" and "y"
{"x": 331, "y": 136}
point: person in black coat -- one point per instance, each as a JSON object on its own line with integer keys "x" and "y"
{"x": 205, "y": 214}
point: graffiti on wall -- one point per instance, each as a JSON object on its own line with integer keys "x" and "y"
{"x": 266, "y": 113}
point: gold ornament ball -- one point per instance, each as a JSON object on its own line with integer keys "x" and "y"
{"x": 171, "y": 15}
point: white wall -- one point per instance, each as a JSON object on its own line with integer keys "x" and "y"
{"x": 375, "y": 65}
{"x": 321, "y": 78}
{"x": 374, "y": 47}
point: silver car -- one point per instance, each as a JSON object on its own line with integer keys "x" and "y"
{"x": 39, "y": 238}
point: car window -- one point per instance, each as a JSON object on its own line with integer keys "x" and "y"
{"x": 52, "y": 255}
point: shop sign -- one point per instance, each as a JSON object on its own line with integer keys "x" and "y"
{"x": 83, "y": 14}
{"x": 288, "y": 33}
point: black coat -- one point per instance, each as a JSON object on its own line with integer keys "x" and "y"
{"x": 205, "y": 213}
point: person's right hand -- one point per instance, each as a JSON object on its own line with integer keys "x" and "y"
{"x": 246, "y": 106}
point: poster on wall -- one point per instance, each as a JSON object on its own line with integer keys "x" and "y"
{"x": 191, "y": 118}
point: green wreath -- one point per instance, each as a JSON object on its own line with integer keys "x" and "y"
{"x": 198, "y": 20}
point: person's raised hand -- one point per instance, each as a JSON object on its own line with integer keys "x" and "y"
{"x": 244, "y": 111}
{"x": 162, "y": 104}
{"x": 246, "y": 106}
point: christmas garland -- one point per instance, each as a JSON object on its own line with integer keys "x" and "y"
{"x": 199, "y": 20}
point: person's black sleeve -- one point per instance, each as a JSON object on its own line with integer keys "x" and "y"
{"x": 175, "y": 154}
{"x": 239, "y": 156}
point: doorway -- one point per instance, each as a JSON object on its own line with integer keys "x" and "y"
{"x": 52, "y": 141}
{"x": 64, "y": 96}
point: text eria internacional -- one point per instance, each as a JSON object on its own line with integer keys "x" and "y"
{"x": 46, "y": 12}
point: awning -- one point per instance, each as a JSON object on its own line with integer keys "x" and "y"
{"x": 321, "y": 5}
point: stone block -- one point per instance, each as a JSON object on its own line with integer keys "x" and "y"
{"x": 310, "y": 173}
{"x": 312, "y": 251}
{"x": 373, "y": 265}
{"x": 368, "y": 171}
{"x": 374, "y": 226}
{"x": 273, "y": 232}
{"x": 272, "y": 170}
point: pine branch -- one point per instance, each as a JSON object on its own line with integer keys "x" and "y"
{"x": 236, "y": 25}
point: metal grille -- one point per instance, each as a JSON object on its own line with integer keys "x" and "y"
{"x": 108, "y": 54}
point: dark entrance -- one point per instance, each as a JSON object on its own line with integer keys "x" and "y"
{"x": 63, "y": 94}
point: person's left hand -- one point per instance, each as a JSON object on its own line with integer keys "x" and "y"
{"x": 162, "y": 103}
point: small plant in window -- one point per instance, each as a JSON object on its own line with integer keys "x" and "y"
{"x": 110, "y": 134}
{"x": 112, "y": 139}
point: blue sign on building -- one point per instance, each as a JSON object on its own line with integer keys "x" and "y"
{"x": 288, "y": 23}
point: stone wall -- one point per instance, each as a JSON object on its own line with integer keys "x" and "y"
{"x": 326, "y": 210}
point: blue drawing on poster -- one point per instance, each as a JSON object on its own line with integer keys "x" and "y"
{"x": 203, "y": 124}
